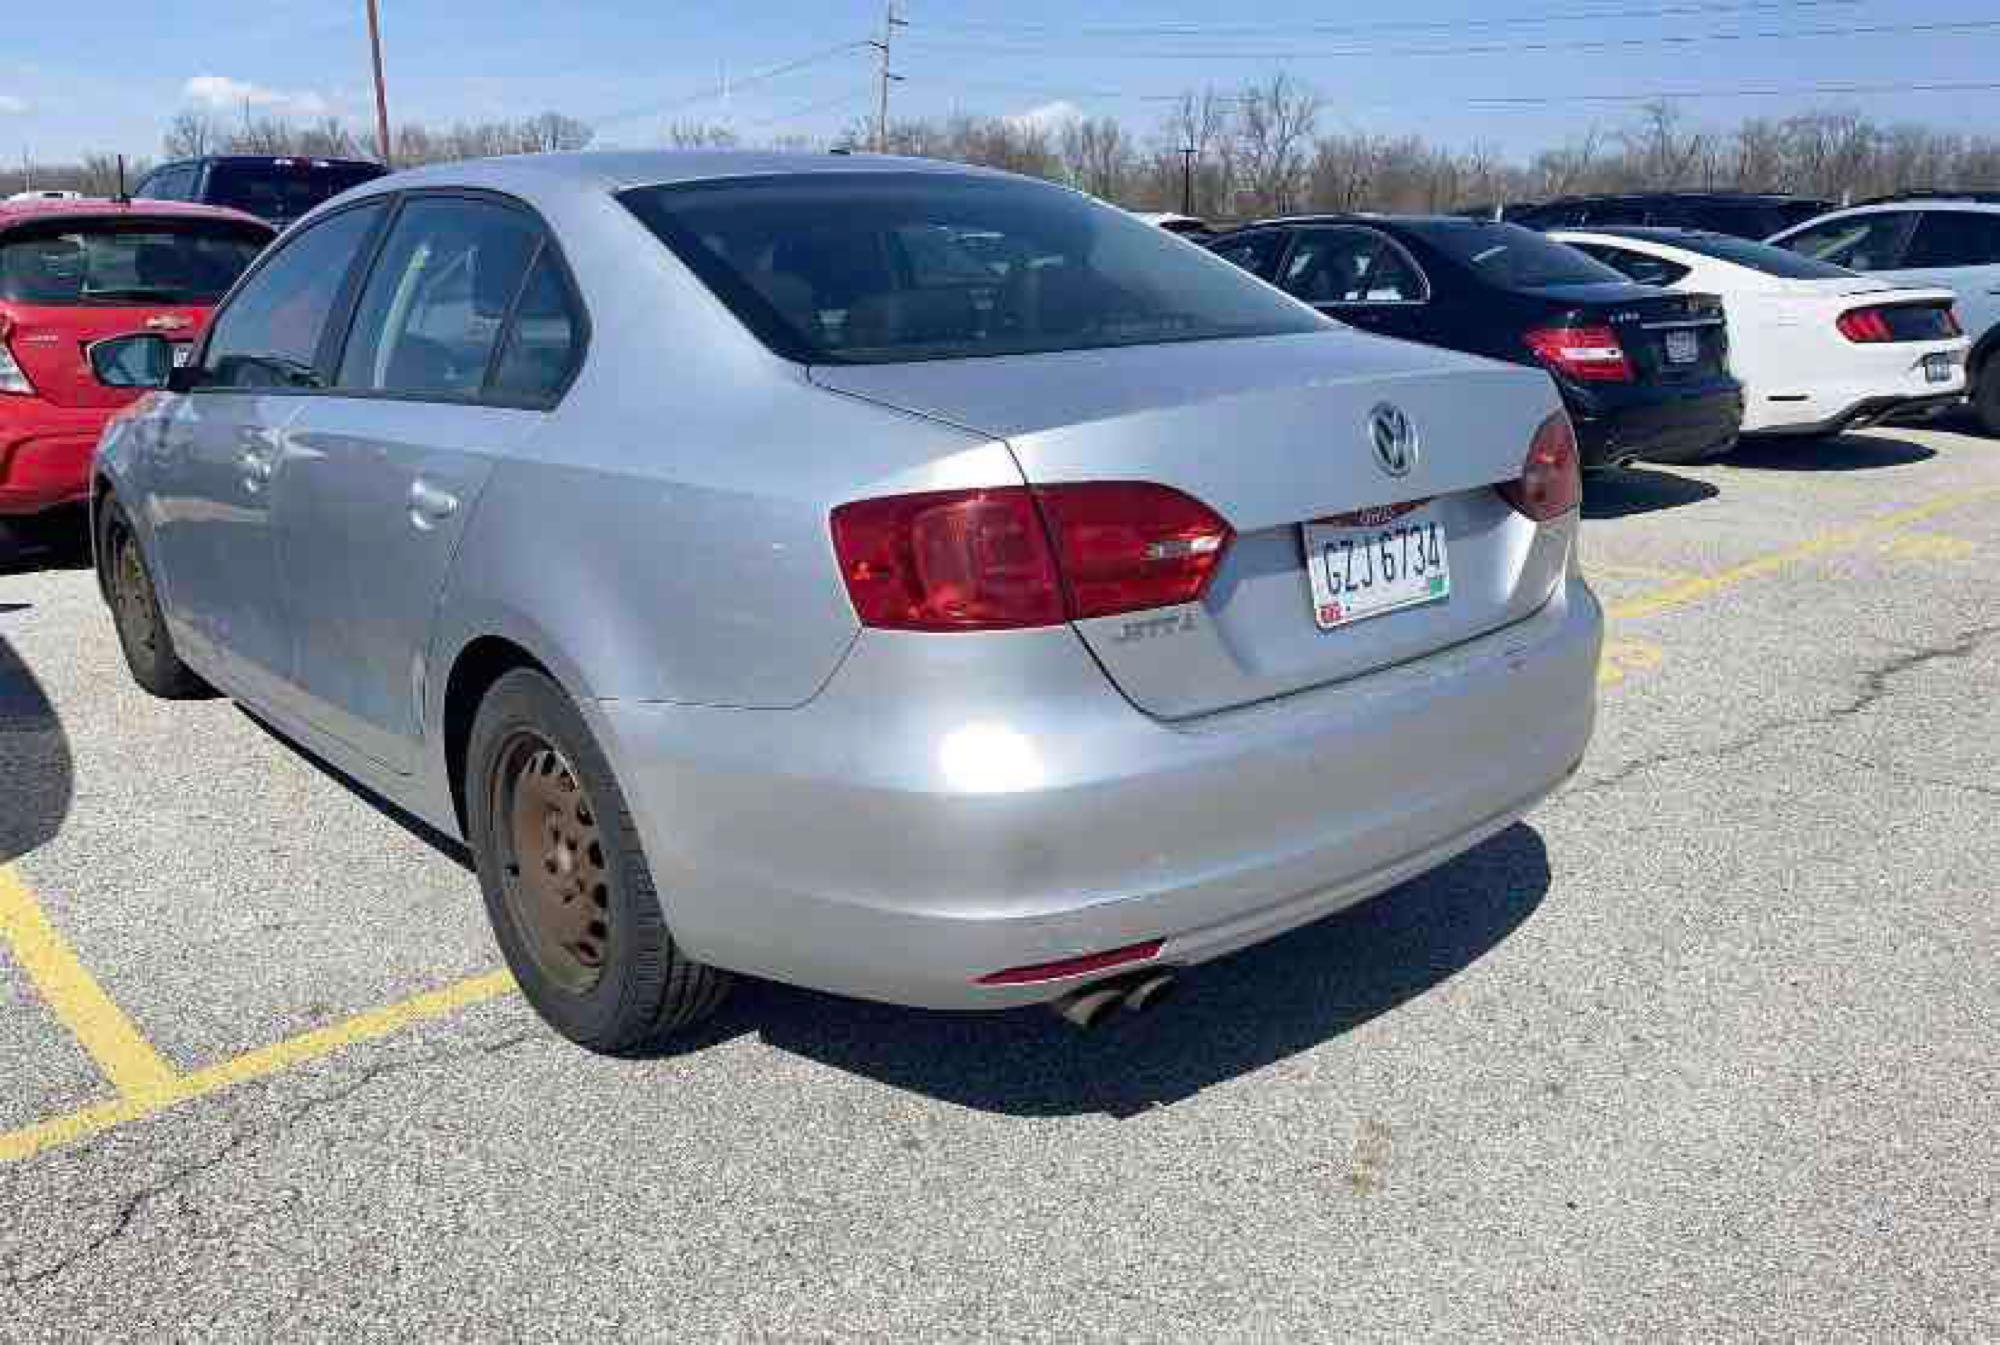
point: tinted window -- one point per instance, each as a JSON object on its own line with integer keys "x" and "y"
{"x": 1871, "y": 242}
{"x": 140, "y": 262}
{"x": 814, "y": 264}
{"x": 430, "y": 317}
{"x": 1765, "y": 257}
{"x": 282, "y": 189}
{"x": 1955, "y": 238}
{"x": 1350, "y": 266}
{"x": 268, "y": 336}
{"x": 1256, "y": 253}
{"x": 168, "y": 184}
{"x": 1512, "y": 257}
{"x": 542, "y": 344}
{"x": 1634, "y": 265}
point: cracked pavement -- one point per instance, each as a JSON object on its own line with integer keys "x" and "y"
{"x": 1704, "y": 1048}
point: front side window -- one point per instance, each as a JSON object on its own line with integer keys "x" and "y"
{"x": 269, "y": 334}
{"x": 115, "y": 263}
{"x": 1513, "y": 258}
{"x": 1872, "y": 242}
{"x": 1955, "y": 238}
{"x": 885, "y": 268}
{"x": 1351, "y": 266}
{"x": 429, "y": 319}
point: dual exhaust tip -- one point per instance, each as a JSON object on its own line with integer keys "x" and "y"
{"x": 1091, "y": 1005}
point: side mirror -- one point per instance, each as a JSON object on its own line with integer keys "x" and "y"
{"x": 141, "y": 360}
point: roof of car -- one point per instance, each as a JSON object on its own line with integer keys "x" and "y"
{"x": 614, "y": 170}
{"x": 1714, "y": 197}
{"x": 1650, "y": 233}
{"x": 14, "y": 213}
{"x": 1901, "y": 204}
{"x": 330, "y": 162}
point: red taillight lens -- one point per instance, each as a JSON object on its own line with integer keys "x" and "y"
{"x": 1075, "y": 966}
{"x": 1586, "y": 354}
{"x": 1125, "y": 546}
{"x": 948, "y": 560}
{"x": 1551, "y": 481}
{"x": 1010, "y": 557}
{"x": 1864, "y": 325}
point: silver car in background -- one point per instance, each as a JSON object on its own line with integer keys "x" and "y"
{"x": 889, "y": 577}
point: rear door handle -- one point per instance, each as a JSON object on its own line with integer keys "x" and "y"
{"x": 430, "y": 505}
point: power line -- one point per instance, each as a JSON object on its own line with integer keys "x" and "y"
{"x": 731, "y": 86}
{"x": 819, "y": 105}
{"x": 1491, "y": 48}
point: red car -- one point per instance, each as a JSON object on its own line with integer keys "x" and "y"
{"x": 72, "y": 273}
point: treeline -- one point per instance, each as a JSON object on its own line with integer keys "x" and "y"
{"x": 1257, "y": 150}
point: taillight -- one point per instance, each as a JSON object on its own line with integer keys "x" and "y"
{"x": 1586, "y": 354}
{"x": 1952, "y": 326}
{"x": 13, "y": 378}
{"x": 1011, "y": 557}
{"x": 1551, "y": 480}
{"x": 1864, "y": 325}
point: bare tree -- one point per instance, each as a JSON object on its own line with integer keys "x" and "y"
{"x": 328, "y": 138}
{"x": 193, "y": 133}
{"x": 1097, "y": 156}
{"x": 699, "y": 135}
{"x": 1274, "y": 131}
{"x": 552, "y": 132}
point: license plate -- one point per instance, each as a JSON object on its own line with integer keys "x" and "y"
{"x": 1937, "y": 368}
{"x": 1377, "y": 561}
{"x": 1683, "y": 347}
{"x": 183, "y": 352}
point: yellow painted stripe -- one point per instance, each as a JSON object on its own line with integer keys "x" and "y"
{"x": 265, "y": 1060}
{"x": 1693, "y": 590}
{"x": 73, "y": 995}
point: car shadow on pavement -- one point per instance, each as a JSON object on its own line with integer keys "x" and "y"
{"x": 37, "y": 779}
{"x": 1841, "y": 453}
{"x": 62, "y": 543}
{"x": 1228, "y": 1018}
{"x": 1619, "y": 492}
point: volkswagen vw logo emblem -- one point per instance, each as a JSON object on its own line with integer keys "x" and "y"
{"x": 1393, "y": 438}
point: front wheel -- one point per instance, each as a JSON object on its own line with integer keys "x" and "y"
{"x": 566, "y": 882}
{"x": 135, "y": 614}
{"x": 1986, "y": 395}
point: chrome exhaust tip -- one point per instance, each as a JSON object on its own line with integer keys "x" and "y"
{"x": 1090, "y": 1006}
{"x": 1149, "y": 991}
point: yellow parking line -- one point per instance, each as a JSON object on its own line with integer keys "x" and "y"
{"x": 1693, "y": 590}
{"x": 128, "y": 1060}
{"x": 265, "y": 1060}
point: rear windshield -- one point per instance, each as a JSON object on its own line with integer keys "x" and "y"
{"x": 1772, "y": 261}
{"x": 186, "y": 262}
{"x": 282, "y": 189}
{"x": 887, "y": 268}
{"x": 1514, "y": 258}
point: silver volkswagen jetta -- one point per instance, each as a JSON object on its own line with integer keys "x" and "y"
{"x": 889, "y": 577}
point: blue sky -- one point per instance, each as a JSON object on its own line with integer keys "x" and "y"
{"x": 631, "y": 67}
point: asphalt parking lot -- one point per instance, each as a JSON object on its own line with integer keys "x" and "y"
{"x": 1706, "y": 1046}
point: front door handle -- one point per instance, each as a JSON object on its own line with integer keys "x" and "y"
{"x": 258, "y": 469}
{"x": 429, "y": 505}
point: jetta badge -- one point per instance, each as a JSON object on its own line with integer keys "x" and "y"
{"x": 1393, "y": 438}
{"x": 168, "y": 322}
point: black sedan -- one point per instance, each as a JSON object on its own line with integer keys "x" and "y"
{"x": 1644, "y": 372}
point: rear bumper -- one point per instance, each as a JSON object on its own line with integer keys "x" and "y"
{"x": 1656, "y": 425}
{"x": 952, "y": 807}
{"x": 45, "y": 454}
{"x": 1859, "y": 415}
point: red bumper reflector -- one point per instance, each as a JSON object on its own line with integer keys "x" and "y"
{"x": 1075, "y": 966}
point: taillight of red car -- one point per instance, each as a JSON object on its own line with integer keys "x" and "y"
{"x": 1012, "y": 557}
{"x": 13, "y": 379}
{"x": 1586, "y": 354}
{"x": 1551, "y": 480}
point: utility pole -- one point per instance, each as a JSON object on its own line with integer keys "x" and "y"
{"x": 1188, "y": 153}
{"x": 890, "y": 23}
{"x": 381, "y": 93}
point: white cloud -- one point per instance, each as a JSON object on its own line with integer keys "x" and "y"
{"x": 1049, "y": 116}
{"x": 9, "y": 104}
{"x": 224, "y": 94}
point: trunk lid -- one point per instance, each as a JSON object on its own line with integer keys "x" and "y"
{"x": 52, "y": 345}
{"x": 1271, "y": 433}
{"x": 1670, "y": 337}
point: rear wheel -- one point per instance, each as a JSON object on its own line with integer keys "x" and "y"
{"x": 1986, "y": 394}
{"x": 567, "y": 887}
{"x": 135, "y": 615}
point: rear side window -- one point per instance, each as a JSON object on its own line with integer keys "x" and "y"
{"x": 269, "y": 334}
{"x": 1256, "y": 253}
{"x": 1955, "y": 238}
{"x": 1513, "y": 258}
{"x": 1638, "y": 266}
{"x": 544, "y": 340}
{"x": 820, "y": 266}
{"x": 126, "y": 262}
{"x": 1872, "y": 242}
{"x": 1764, "y": 257}
{"x": 430, "y": 317}
{"x": 1351, "y": 266}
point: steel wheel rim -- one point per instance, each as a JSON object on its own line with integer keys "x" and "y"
{"x": 133, "y": 593}
{"x": 552, "y": 868}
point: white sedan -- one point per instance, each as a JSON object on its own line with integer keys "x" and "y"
{"x": 1818, "y": 348}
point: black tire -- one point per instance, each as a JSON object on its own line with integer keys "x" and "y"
{"x": 135, "y": 614}
{"x": 1986, "y": 394}
{"x": 645, "y": 990}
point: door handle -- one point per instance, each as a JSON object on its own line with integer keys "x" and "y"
{"x": 258, "y": 469}
{"x": 429, "y": 505}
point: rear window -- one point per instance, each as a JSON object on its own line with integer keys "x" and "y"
{"x": 1772, "y": 261}
{"x": 186, "y": 262}
{"x": 282, "y": 189}
{"x": 1514, "y": 258}
{"x": 886, "y": 268}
